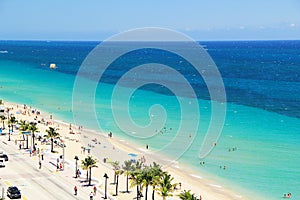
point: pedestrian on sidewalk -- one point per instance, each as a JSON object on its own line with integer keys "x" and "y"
{"x": 95, "y": 189}
{"x": 75, "y": 190}
{"x": 40, "y": 164}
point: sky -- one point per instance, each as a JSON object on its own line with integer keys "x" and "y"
{"x": 99, "y": 19}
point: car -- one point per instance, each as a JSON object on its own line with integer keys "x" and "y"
{"x": 4, "y": 156}
{"x": 13, "y": 192}
{"x": 2, "y": 163}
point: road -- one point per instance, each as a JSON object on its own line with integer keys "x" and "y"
{"x": 23, "y": 171}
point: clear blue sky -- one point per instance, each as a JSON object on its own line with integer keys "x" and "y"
{"x": 99, "y": 19}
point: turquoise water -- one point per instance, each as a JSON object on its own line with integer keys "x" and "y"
{"x": 267, "y": 159}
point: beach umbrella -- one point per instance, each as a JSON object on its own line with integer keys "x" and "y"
{"x": 132, "y": 155}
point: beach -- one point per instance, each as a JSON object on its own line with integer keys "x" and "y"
{"x": 115, "y": 150}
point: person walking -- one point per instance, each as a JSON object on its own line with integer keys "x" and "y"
{"x": 75, "y": 190}
{"x": 40, "y": 164}
{"x": 95, "y": 189}
{"x": 91, "y": 196}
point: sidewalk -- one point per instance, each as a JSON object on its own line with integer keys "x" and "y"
{"x": 67, "y": 175}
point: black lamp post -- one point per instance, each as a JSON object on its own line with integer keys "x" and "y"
{"x": 76, "y": 159}
{"x": 9, "y": 132}
{"x": 106, "y": 177}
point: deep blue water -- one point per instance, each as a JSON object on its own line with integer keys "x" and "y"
{"x": 263, "y": 74}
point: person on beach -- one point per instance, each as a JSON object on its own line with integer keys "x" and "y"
{"x": 75, "y": 190}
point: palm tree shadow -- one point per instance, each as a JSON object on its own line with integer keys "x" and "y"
{"x": 86, "y": 185}
{"x": 125, "y": 192}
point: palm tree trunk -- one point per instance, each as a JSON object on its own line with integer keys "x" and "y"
{"x": 146, "y": 192}
{"x": 137, "y": 192}
{"x": 33, "y": 140}
{"x": 117, "y": 183}
{"x": 127, "y": 184}
{"x": 87, "y": 175}
{"x": 51, "y": 144}
{"x": 115, "y": 178}
{"x": 26, "y": 141}
{"x": 90, "y": 178}
{"x": 153, "y": 192}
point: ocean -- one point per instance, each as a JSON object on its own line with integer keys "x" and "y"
{"x": 259, "y": 143}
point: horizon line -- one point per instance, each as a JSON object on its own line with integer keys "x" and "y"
{"x": 216, "y": 40}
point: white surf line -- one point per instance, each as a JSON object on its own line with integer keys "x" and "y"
{"x": 238, "y": 196}
{"x": 196, "y": 176}
{"x": 215, "y": 186}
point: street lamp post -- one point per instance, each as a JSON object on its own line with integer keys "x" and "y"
{"x": 9, "y": 132}
{"x": 106, "y": 177}
{"x": 76, "y": 169}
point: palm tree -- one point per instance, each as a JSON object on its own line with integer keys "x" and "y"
{"x": 118, "y": 172}
{"x": 12, "y": 121}
{"x": 136, "y": 177}
{"x": 33, "y": 129}
{"x": 165, "y": 186}
{"x": 84, "y": 166}
{"x": 156, "y": 174}
{"x": 187, "y": 195}
{"x": 116, "y": 167}
{"x": 127, "y": 168}
{"x": 52, "y": 134}
{"x": 147, "y": 177}
{"x": 88, "y": 163}
{"x": 2, "y": 119}
{"x": 136, "y": 180}
{"x": 23, "y": 125}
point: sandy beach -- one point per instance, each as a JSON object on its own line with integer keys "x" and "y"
{"x": 82, "y": 142}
